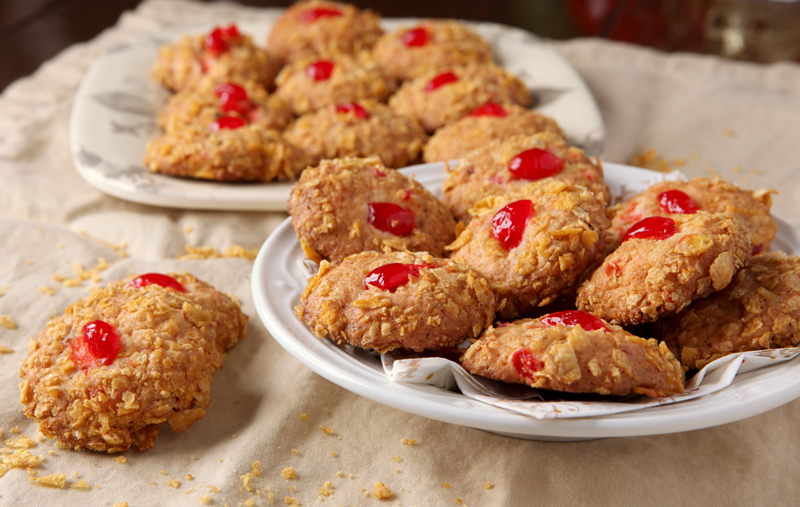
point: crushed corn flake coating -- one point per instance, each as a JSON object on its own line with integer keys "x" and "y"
{"x": 174, "y": 341}
{"x": 382, "y": 491}
{"x": 8, "y": 322}
{"x": 52, "y": 481}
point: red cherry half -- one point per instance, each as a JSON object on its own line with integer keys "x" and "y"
{"x": 675, "y": 201}
{"x": 233, "y": 97}
{"x": 525, "y": 364}
{"x": 391, "y": 276}
{"x": 226, "y": 122}
{"x": 322, "y": 12}
{"x": 352, "y": 107}
{"x": 165, "y": 281}
{"x": 101, "y": 340}
{"x": 657, "y": 228}
{"x": 535, "y": 164}
{"x": 508, "y": 224}
{"x": 217, "y": 40}
{"x": 415, "y": 37}
{"x": 391, "y": 218}
{"x": 440, "y": 80}
{"x": 573, "y": 318}
{"x": 490, "y": 109}
{"x": 320, "y": 70}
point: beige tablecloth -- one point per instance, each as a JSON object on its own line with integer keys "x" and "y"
{"x": 737, "y": 120}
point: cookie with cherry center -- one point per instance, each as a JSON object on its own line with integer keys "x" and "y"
{"x": 663, "y": 264}
{"x": 223, "y": 54}
{"x": 489, "y": 122}
{"x": 749, "y": 208}
{"x": 441, "y": 96}
{"x": 318, "y": 28}
{"x": 208, "y": 101}
{"x": 411, "y": 51}
{"x": 350, "y": 205}
{"x": 506, "y": 166}
{"x": 314, "y": 82}
{"x": 760, "y": 309}
{"x": 385, "y": 301}
{"x": 129, "y": 357}
{"x": 534, "y": 244}
{"x": 227, "y": 149}
{"x": 358, "y": 129}
{"x": 575, "y": 352}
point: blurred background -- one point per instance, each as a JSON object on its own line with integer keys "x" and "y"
{"x": 763, "y": 31}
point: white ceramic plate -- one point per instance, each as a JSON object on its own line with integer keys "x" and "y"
{"x": 278, "y": 281}
{"x": 115, "y": 109}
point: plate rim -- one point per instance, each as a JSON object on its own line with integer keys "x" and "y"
{"x": 670, "y": 418}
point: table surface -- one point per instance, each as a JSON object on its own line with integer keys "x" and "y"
{"x": 705, "y": 115}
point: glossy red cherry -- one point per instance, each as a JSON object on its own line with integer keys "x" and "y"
{"x": 573, "y": 318}
{"x": 101, "y": 340}
{"x": 508, "y": 224}
{"x": 440, "y": 80}
{"x": 675, "y": 201}
{"x": 391, "y": 276}
{"x": 535, "y": 164}
{"x": 415, "y": 37}
{"x": 165, "y": 281}
{"x": 391, "y": 218}
{"x": 320, "y": 70}
{"x": 352, "y": 107}
{"x": 321, "y": 12}
{"x": 525, "y": 364}
{"x": 657, "y": 228}
{"x": 226, "y": 122}
{"x": 217, "y": 40}
{"x": 233, "y": 97}
{"x": 490, "y": 109}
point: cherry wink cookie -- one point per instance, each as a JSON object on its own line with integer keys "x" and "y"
{"x": 760, "y": 309}
{"x": 227, "y": 150}
{"x": 395, "y": 300}
{"x": 505, "y": 166}
{"x": 358, "y": 129}
{"x": 209, "y": 101}
{"x": 575, "y": 352}
{"x": 129, "y": 357}
{"x": 532, "y": 245}
{"x": 489, "y": 122}
{"x": 433, "y": 44}
{"x": 346, "y": 206}
{"x": 441, "y": 96}
{"x": 311, "y": 83}
{"x": 317, "y": 28}
{"x": 221, "y": 55}
{"x": 663, "y": 264}
{"x": 750, "y": 208}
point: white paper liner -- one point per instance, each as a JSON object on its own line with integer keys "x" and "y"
{"x": 447, "y": 374}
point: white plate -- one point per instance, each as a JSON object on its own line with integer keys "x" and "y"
{"x": 115, "y": 109}
{"x": 278, "y": 281}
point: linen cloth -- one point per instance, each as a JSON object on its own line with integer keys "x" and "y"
{"x": 740, "y": 121}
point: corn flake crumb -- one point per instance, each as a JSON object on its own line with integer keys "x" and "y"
{"x": 121, "y": 459}
{"x": 206, "y": 499}
{"x": 174, "y": 483}
{"x": 188, "y": 229}
{"x": 650, "y": 159}
{"x": 8, "y": 322}
{"x": 488, "y": 485}
{"x": 4, "y": 289}
{"x": 295, "y": 451}
{"x": 81, "y": 484}
{"x": 47, "y": 291}
{"x": 206, "y": 252}
{"x": 255, "y": 472}
{"x": 397, "y": 458}
{"x": 189, "y": 477}
{"x": 408, "y": 441}
{"x": 120, "y": 504}
{"x": 5, "y": 350}
{"x": 51, "y": 481}
{"x": 327, "y": 430}
{"x": 289, "y": 473}
{"x": 188, "y": 491}
{"x": 290, "y": 500}
{"x": 382, "y": 492}
{"x": 304, "y": 417}
{"x": 15, "y": 429}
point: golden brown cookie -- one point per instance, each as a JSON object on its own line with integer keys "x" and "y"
{"x": 575, "y": 352}
{"x": 129, "y": 357}
{"x": 760, "y": 309}
{"x": 386, "y": 301}
{"x": 346, "y": 206}
{"x": 663, "y": 264}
